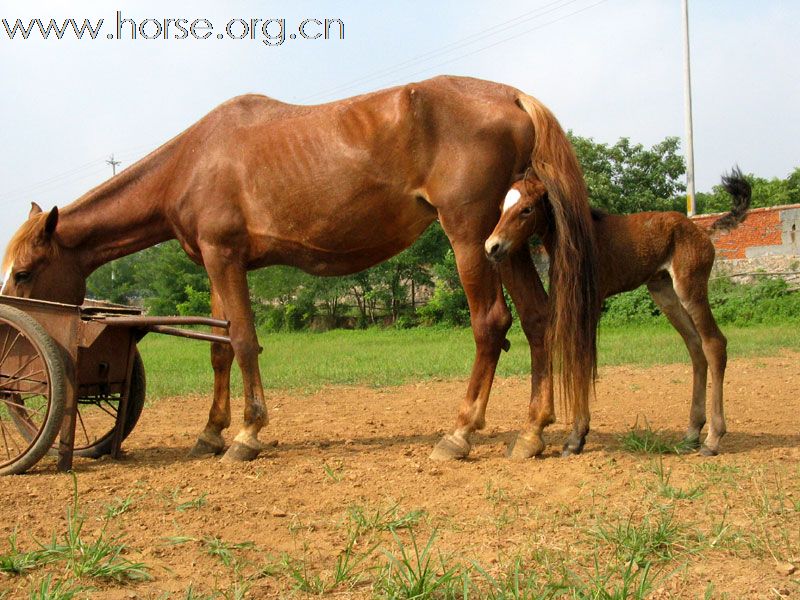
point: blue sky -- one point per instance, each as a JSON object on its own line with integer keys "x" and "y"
{"x": 607, "y": 68}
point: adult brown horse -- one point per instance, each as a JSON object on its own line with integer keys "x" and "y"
{"x": 665, "y": 251}
{"x": 334, "y": 189}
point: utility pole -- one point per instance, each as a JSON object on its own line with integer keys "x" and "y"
{"x": 113, "y": 164}
{"x": 691, "y": 207}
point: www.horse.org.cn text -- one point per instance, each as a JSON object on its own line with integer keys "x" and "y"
{"x": 269, "y": 31}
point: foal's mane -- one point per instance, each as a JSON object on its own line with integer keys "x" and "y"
{"x": 26, "y": 234}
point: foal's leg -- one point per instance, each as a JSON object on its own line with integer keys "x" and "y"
{"x": 667, "y": 300}
{"x": 229, "y": 279}
{"x": 692, "y": 289}
{"x": 490, "y": 319}
{"x": 210, "y": 440}
{"x": 523, "y": 284}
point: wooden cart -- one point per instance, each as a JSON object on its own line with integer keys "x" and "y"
{"x": 71, "y": 378}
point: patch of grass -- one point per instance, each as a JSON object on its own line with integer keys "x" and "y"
{"x": 118, "y": 506}
{"x": 666, "y": 490}
{"x": 101, "y": 558}
{"x": 643, "y": 440}
{"x": 224, "y": 550}
{"x": 173, "y": 497}
{"x": 383, "y": 519}
{"x": 380, "y": 357}
{"x": 626, "y": 581}
{"x": 17, "y": 562}
{"x": 335, "y": 474}
{"x": 657, "y": 538}
{"x": 198, "y": 502}
{"x": 411, "y": 572}
{"x": 48, "y": 589}
{"x": 717, "y": 472}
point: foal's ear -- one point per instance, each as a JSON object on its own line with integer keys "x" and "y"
{"x": 50, "y": 223}
{"x": 35, "y": 210}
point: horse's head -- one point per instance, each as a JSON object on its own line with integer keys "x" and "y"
{"x": 36, "y": 265}
{"x": 524, "y": 213}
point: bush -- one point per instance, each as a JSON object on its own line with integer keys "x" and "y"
{"x": 768, "y": 300}
{"x": 629, "y": 307}
{"x": 197, "y": 303}
{"x": 447, "y": 306}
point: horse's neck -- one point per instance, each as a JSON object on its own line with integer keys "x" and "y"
{"x": 117, "y": 218}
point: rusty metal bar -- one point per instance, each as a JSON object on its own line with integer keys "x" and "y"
{"x": 135, "y": 321}
{"x": 186, "y": 333}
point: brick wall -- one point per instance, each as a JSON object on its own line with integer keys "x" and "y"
{"x": 765, "y": 232}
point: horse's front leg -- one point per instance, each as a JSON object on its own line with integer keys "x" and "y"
{"x": 210, "y": 441}
{"x": 525, "y": 287}
{"x": 229, "y": 280}
{"x": 490, "y": 319}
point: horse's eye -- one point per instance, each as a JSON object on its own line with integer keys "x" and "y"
{"x": 526, "y": 211}
{"x": 21, "y": 276}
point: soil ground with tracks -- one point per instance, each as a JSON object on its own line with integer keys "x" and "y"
{"x": 350, "y": 461}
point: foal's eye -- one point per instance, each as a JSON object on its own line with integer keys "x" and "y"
{"x": 526, "y": 211}
{"x": 21, "y": 276}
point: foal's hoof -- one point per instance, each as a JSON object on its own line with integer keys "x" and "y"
{"x": 706, "y": 451}
{"x": 451, "y": 447}
{"x": 239, "y": 452}
{"x": 205, "y": 448}
{"x": 525, "y": 447}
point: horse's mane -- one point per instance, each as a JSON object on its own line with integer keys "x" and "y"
{"x": 24, "y": 235}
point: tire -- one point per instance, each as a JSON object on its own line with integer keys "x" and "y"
{"x": 31, "y": 402}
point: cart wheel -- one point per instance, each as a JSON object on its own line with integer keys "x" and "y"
{"x": 97, "y": 417}
{"x": 32, "y": 391}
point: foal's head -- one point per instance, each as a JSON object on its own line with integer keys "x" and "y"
{"x": 37, "y": 266}
{"x": 524, "y": 213}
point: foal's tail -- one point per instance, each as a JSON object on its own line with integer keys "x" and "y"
{"x": 741, "y": 193}
{"x": 574, "y": 304}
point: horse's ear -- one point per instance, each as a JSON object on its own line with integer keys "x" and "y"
{"x": 50, "y": 223}
{"x": 35, "y": 210}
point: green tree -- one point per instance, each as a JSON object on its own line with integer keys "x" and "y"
{"x": 626, "y": 178}
{"x": 169, "y": 279}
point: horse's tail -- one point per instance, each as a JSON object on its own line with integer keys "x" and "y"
{"x": 574, "y": 302}
{"x": 741, "y": 194}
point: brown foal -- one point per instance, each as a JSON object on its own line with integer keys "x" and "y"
{"x": 334, "y": 189}
{"x": 663, "y": 250}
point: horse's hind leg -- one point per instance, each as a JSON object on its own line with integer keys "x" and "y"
{"x": 692, "y": 289}
{"x": 229, "y": 280}
{"x": 490, "y": 319}
{"x": 210, "y": 440}
{"x": 523, "y": 284}
{"x": 664, "y": 296}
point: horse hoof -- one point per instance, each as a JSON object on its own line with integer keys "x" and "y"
{"x": 526, "y": 448}
{"x": 568, "y": 450}
{"x": 239, "y": 452}
{"x": 205, "y": 448}
{"x": 450, "y": 447}
{"x": 706, "y": 451}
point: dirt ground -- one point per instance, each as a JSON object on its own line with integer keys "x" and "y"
{"x": 346, "y": 449}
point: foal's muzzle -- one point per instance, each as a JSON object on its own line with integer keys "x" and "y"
{"x": 496, "y": 249}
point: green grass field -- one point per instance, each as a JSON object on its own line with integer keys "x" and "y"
{"x": 380, "y": 357}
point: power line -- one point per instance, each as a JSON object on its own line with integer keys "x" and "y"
{"x": 68, "y": 176}
{"x": 448, "y": 48}
{"x": 503, "y": 41}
